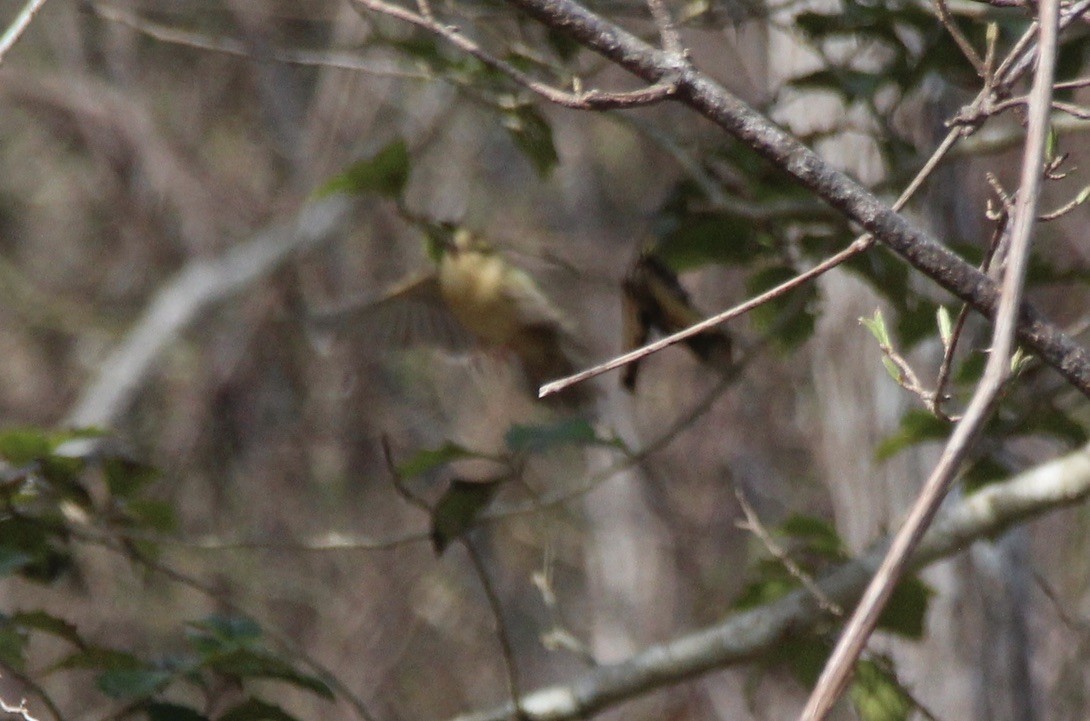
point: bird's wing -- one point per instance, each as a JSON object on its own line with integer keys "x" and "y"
{"x": 410, "y": 314}
{"x": 534, "y": 307}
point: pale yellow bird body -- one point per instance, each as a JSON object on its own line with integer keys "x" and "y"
{"x": 493, "y": 299}
{"x": 474, "y": 295}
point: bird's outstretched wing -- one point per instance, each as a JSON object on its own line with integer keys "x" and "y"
{"x": 410, "y": 314}
{"x": 655, "y": 301}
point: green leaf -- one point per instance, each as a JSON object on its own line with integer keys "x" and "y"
{"x": 19, "y": 446}
{"x": 97, "y": 657}
{"x": 805, "y": 656}
{"x": 126, "y": 477}
{"x": 132, "y": 683}
{"x": 917, "y": 426}
{"x": 385, "y": 173}
{"x": 250, "y": 663}
{"x": 253, "y": 709}
{"x": 817, "y": 535}
{"x": 48, "y": 623}
{"x": 218, "y": 634}
{"x": 696, "y": 239}
{"x": 172, "y": 712}
{"x": 13, "y": 641}
{"x": 891, "y": 368}
{"x": 906, "y": 611}
{"x": 946, "y": 326}
{"x": 534, "y": 137}
{"x": 877, "y": 696}
{"x": 765, "y": 590}
{"x": 152, "y": 514}
{"x": 535, "y": 439}
{"x": 877, "y": 326}
{"x": 789, "y": 318}
{"x": 458, "y": 507}
{"x": 428, "y": 459}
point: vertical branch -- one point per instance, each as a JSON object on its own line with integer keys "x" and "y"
{"x": 834, "y": 678}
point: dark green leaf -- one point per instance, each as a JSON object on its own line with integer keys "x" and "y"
{"x": 218, "y": 634}
{"x": 764, "y": 591}
{"x": 255, "y": 710}
{"x": 19, "y": 446}
{"x": 534, "y": 137}
{"x": 790, "y": 318}
{"x": 458, "y": 507}
{"x": 805, "y": 656}
{"x": 132, "y": 683}
{"x": 696, "y": 239}
{"x": 906, "y": 611}
{"x": 917, "y": 426}
{"x": 818, "y": 535}
{"x": 877, "y": 696}
{"x": 172, "y": 712}
{"x": 535, "y": 439}
{"x": 12, "y": 646}
{"x": 152, "y": 514}
{"x": 385, "y": 173}
{"x": 428, "y": 459}
{"x": 97, "y": 657}
{"x": 126, "y": 477}
{"x": 249, "y": 663}
{"x": 48, "y": 623}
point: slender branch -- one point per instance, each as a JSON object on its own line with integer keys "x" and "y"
{"x": 18, "y": 26}
{"x": 753, "y": 525}
{"x": 919, "y": 248}
{"x": 198, "y": 285}
{"x": 661, "y": 88}
{"x": 852, "y": 250}
{"x": 344, "y": 60}
{"x": 744, "y": 636}
{"x": 959, "y": 37}
{"x": 501, "y": 626}
{"x": 834, "y": 678}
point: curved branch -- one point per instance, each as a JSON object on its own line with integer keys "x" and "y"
{"x": 919, "y": 248}
{"x": 198, "y": 285}
{"x": 747, "y": 635}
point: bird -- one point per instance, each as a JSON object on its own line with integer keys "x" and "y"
{"x": 653, "y": 299}
{"x": 474, "y": 298}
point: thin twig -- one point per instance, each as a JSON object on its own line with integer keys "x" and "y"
{"x": 502, "y": 635}
{"x": 959, "y": 38}
{"x": 18, "y": 26}
{"x": 857, "y": 247}
{"x": 343, "y": 60}
{"x": 835, "y": 675}
{"x": 592, "y": 99}
{"x": 671, "y": 40}
{"x": 753, "y": 525}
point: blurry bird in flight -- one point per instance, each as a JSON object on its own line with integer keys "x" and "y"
{"x": 474, "y": 298}
{"x": 654, "y": 301}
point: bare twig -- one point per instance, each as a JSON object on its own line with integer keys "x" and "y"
{"x": 344, "y": 60}
{"x": 857, "y": 247}
{"x": 200, "y": 284}
{"x": 671, "y": 40}
{"x": 18, "y": 26}
{"x": 744, "y": 636}
{"x": 959, "y": 37}
{"x": 502, "y": 635}
{"x": 834, "y": 678}
{"x": 593, "y": 99}
{"x": 753, "y": 525}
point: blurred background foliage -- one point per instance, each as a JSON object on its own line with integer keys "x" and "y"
{"x": 254, "y": 535}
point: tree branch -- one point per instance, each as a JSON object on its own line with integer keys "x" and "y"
{"x": 749, "y": 634}
{"x": 919, "y": 248}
